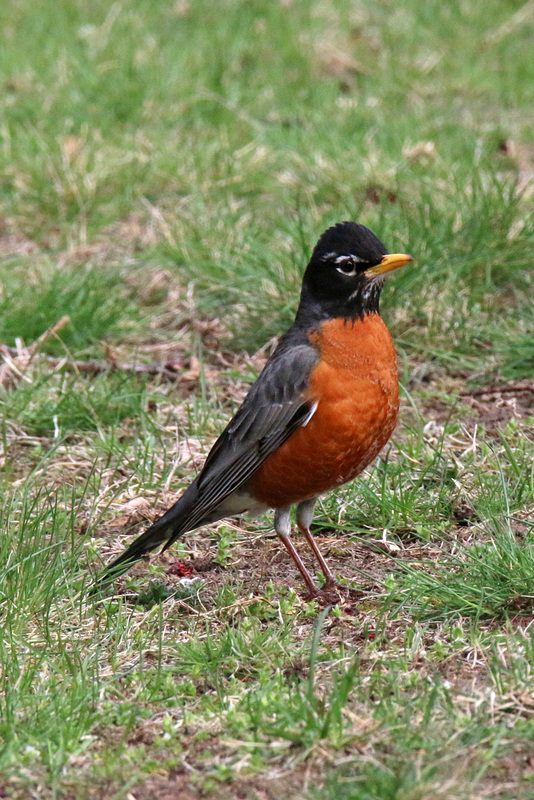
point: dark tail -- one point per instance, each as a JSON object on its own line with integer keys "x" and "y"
{"x": 165, "y": 530}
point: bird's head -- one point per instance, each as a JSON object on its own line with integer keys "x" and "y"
{"x": 346, "y": 271}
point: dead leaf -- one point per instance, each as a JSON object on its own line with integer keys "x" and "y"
{"x": 420, "y": 151}
{"x": 193, "y": 373}
{"x": 336, "y": 62}
{"x": 136, "y": 503}
{"x": 523, "y": 154}
{"x": 71, "y": 146}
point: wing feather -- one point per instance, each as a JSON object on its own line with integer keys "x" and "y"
{"x": 277, "y": 404}
{"x": 275, "y": 407}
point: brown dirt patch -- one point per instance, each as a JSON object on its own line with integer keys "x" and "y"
{"x": 492, "y": 406}
{"x": 170, "y": 788}
{"x": 495, "y": 406}
{"x": 12, "y": 241}
{"x": 174, "y": 786}
{"x": 257, "y": 560}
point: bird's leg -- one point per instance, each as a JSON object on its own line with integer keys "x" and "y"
{"x": 304, "y": 520}
{"x": 282, "y": 526}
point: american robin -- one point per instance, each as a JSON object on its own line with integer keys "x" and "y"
{"x": 323, "y": 407}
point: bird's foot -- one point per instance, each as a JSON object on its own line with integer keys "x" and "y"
{"x": 332, "y": 593}
{"x": 325, "y": 597}
{"x": 345, "y": 592}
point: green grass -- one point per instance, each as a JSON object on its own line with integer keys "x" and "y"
{"x": 94, "y": 299}
{"x": 165, "y": 170}
{"x": 57, "y": 405}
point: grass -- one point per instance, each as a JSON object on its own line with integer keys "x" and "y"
{"x": 94, "y": 300}
{"x": 162, "y": 183}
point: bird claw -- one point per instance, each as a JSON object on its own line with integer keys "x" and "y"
{"x": 331, "y": 593}
{"x": 345, "y": 591}
{"x": 325, "y": 598}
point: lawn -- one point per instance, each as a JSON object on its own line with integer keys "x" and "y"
{"x": 165, "y": 169}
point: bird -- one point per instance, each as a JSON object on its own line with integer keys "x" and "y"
{"x": 321, "y": 410}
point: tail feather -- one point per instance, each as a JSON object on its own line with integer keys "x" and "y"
{"x": 165, "y": 530}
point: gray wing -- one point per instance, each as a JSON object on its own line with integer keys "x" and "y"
{"x": 277, "y": 404}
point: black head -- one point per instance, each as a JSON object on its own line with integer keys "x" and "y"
{"x": 345, "y": 273}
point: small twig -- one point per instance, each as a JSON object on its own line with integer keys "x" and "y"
{"x": 518, "y": 386}
{"x": 32, "y": 349}
{"x": 521, "y": 17}
{"x": 13, "y": 369}
{"x": 169, "y": 371}
{"x": 18, "y": 359}
{"x": 9, "y": 370}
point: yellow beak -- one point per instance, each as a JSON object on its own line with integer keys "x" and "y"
{"x": 388, "y": 263}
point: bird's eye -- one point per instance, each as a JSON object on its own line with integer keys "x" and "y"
{"x": 346, "y": 265}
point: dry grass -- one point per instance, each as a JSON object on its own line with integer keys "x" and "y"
{"x": 162, "y": 184}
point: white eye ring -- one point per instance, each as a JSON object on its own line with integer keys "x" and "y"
{"x": 347, "y": 265}
{"x": 350, "y": 273}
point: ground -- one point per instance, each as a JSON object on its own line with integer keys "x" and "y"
{"x": 162, "y": 183}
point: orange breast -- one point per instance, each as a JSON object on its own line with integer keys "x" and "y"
{"x": 357, "y": 390}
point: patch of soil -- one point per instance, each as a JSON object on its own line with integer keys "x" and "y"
{"x": 171, "y": 788}
{"x": 495, "y": 406}
{"x": 258, "y": 560}
{"x": 464, "y": 514}
{"x": 174, "y": 788}
{"x": 492, "y": 406}
{"x": 436, "y": 410}
{"x": 13, "y": 242}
